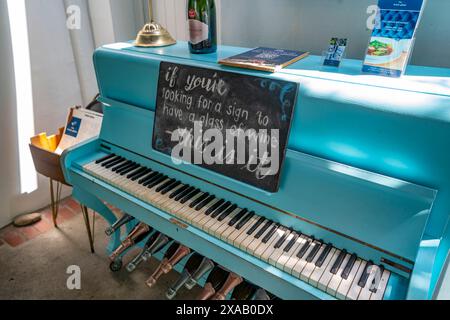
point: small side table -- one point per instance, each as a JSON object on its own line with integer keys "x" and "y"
{"x": 47, "y": 163}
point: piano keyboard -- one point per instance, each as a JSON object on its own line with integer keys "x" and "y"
{"x": 332, "y": 270}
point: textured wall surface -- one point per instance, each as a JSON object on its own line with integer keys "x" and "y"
{"x": 309, "y": 25}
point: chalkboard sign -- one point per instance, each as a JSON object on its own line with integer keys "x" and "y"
{"x": 234, "y": 124}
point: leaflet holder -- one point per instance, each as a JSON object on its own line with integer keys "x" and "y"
{"x": 47, "y": 162}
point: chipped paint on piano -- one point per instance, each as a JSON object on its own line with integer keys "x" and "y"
{"x": 352, "y": 175}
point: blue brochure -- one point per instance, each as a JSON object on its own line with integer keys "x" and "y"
{"x": 392, "y": 38}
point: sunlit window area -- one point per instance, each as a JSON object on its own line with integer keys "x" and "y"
{"x": 24, "y": 92}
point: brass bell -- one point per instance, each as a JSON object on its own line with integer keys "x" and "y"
{"x": 154, "y": 35}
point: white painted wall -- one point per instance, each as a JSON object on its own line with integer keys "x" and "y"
{"x": 62, "y": 76}
{"x": 308, "y": 25}
{"x": 8, "y": 139}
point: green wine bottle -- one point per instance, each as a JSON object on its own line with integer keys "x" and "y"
{"x": 202, "y": 26}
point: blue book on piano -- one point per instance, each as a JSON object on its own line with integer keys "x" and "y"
{"x": 393, "y": 36}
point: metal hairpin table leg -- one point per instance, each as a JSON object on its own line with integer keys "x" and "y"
{"x": 85, "y": 211}
{"x": 55, "y": 199}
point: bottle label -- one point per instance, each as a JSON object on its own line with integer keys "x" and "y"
{"x": 198, "y": 31}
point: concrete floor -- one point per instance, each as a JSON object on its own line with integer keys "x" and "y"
{"x": 37, "y": 269}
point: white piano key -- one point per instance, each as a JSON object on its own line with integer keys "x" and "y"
{"x": 238, "y": 236}
{"x": 225, "y": 223}
{"x": 285, "y": 259}
{"x": 244, "y": 240}
{"x": 346, "y": 284}
{"x": 187, "y": 209}
{"x": 327, "y": 275}
{"x": 263, "y": 248}
{"x": 219, "y": 224}
{"x": 200, "y": 214}
{"x": 381, "y": 289}
{"x": 278, "y": 252}
{"x": 301, "y": 263}
{"x": 335, "y": 281}
{"x": 162, "y": 201}
{"x": 200, "y": 220}
{"x": 366, "y": 291}
{"x": 311, "y": 266}
{"x": 151, "y": 193}
{"x": 319, "y": 271}
{"x": 271, "y": 250}
{"x": 255, "y": 243}
{"x": 355, "y": 289}
{"x": 229, "y": 231}
{"x": 293, "y": 259}
{"x": 251, "y": 243}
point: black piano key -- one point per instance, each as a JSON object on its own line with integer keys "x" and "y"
{"x": 170, "y": 187}
{"x": 105, "y": 158}
{"x": 178, "y": 191}
{"x": 313, "y": 252}
{"x": 282, "y": 239}
{"x": 156, "y": 182}
{"x": 140, "y": 175}
{"x": 190, "y": 196}
{"x": 184, "y": 193}
{"x": 116, "y": 164}
{"x": 126, "y": 170}
{"x": 263, "y": 229}
{"x": 113, "y": 163}
{"x": 237, "y": 217}
{"x": 256, "y": 225}
{"x": 244, "y": 220}
{"x": 374, "y": 286}
{"x": 214, "y": 207}
{"x": 130, "y": 168}
{"x": 348, "y": 268}
{"x": 147, "y": 177}
{"x": 104, "y": 164}
{"x": 221, "y": 209}
{"x": 270, "y": 234}
{"x": 165, "y": 185}
{"x": 136, "y": 173}
{"x": 365, "y": 275}
{"x": 198, "y": 200}
{"x": 152, "y": 179}
{"x": 304, "y": 248}
{"x": 292, "y": 242}
{"x": 202, "y": 204}
{"x": 121, "y": 165}
{"x": 338, "y": 262}
{"x": 227, "y": 212}
{"x": 324, "y": 255}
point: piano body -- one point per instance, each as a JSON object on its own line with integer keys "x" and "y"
{"x": 366, "y": 178}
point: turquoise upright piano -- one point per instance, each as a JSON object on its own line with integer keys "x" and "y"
{"x": 365, "y": 182}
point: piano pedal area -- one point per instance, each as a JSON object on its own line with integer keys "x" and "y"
{"x": 341, "y": 274}
{"x": 218, "y": 283}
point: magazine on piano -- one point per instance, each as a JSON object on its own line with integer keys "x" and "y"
{"x": 265, "y": 59}
{"x": 392, "y": 39}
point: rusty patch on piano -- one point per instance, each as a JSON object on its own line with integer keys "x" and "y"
{"x": 178, "y": 223}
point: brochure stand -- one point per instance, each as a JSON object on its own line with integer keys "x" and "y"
{"x": 330, "y": 67}
{"x": 47, "y": 162}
